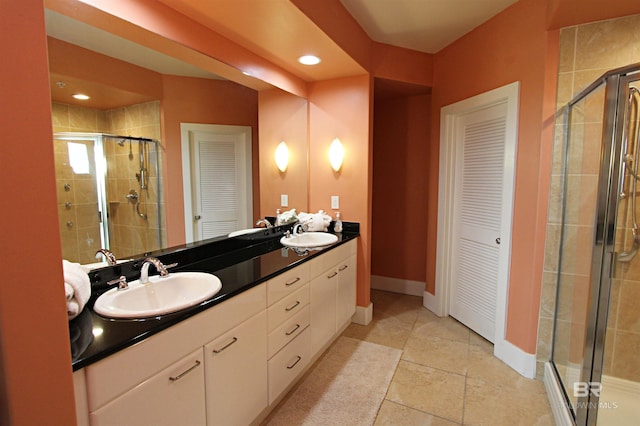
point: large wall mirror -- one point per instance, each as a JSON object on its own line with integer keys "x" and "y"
{"x": 159, "y": 132}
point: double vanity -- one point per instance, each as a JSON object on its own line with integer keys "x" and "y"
{"x": 229, "y": 359}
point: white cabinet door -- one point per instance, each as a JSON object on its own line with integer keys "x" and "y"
{"x": 236, "y": 374}
{"x": 346, "y": 297}
{"x": 323, "y": 309}
{"x": 174, "y": 396}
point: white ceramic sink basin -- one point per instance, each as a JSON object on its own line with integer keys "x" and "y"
{"x": 309, "y": 240}
{"x": 161, "y": 295}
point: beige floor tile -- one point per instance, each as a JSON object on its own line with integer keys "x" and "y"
{"x": 521, "y": 403}
{"x": 383, "y": 330}
{"x": 477, "y": 340}
{"x": 444, "y": 354}
{"x": 428, "y": 324}
{"x": 406, "y": 308}
{"x": 427, "y": 389}
{"x": 483, "y": 365}
{"x": 392, "y": 414}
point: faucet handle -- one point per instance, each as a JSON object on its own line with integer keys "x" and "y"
{"x": 122, "y": 282}
{"x": 171, "y": 265}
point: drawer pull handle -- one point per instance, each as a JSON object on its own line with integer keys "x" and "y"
{"x": 292, "y": 306}
{"x": 294, "y": 364}
{"x": 332, "y": 275}
{"x": 217, "y": 351}
{"x": 343, "y": 267}
{"x": 289, "y": 333}
{"x": 292, "y": 282}
{"x": 181, "y": 375}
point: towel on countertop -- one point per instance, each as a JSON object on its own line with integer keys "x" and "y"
{"x": 315, "y": 222}
{"x": 77, "y": 287}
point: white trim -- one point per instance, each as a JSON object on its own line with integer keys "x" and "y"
{"x": 432, "y": 303}
{"x": 397, "y": 285}
{"x": 508, "y": 94}
{"x": 524, "y": 363}
{"x": 558, "y": 404}
{"x": 363, "y": 316}
{"x": 185, "y": 130}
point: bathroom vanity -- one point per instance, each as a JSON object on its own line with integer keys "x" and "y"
{"x": 229, "y": 360}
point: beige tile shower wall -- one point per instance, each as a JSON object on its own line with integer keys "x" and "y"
{"x": 77, "y": 201}
{"x": 586, "y": 52}
{"x": 132, "y": 234}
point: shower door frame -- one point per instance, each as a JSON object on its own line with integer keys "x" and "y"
{"x": 603, "y": 253}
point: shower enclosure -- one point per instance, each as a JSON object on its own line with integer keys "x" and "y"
{"x": 596, "y": 337}
{"x": 109, "y": 194}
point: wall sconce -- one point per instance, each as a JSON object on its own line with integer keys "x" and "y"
{"x": 282, "y": 156}
{"x": 336, "y": 154}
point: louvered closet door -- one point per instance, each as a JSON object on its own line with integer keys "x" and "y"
{"x": 478, "y": 218}
{"x": 218, "y": 179}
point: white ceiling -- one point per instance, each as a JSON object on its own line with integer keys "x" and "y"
{"x": 423, "y": 25}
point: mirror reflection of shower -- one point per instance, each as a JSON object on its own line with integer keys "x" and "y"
{"x": 141, "y": 175}
{"x": 108, "y": 195}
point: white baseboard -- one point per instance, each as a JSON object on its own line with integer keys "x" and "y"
{"x": 397, "y": 285}
{"x": 363, "y": 315}
{"x": 432, "y": 303}
{"x": 558, "y": 404}
{"x": 524, "y": 363}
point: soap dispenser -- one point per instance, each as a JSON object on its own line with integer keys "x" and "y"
{"x": 278, "y": 217}
{"x": 337, "y": 226}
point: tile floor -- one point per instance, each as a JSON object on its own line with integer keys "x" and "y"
{"x": 447, "y": 374}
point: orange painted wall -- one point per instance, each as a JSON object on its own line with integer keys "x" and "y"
{"x": 283, "y": 117}
{"x": 35, "y": 358}
{"x": 510, "y": 47}
{"x": 400, "y": 158}
{"x": 342, "y": 108}
{"x": 195, "y": 100}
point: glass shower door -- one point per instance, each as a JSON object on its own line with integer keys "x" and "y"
{"x": 79, "y": 209}
{"x": 620, "y": 325}
{"x": 581, "y": 254}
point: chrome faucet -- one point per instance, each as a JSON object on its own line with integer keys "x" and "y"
{"x": 299, "y": 228}
{"x": 264, "y": 222}
{"x": 144, "y": 270}
{"x": 108, "y": 256}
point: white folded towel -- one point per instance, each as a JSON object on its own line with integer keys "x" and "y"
{"x": 77, "y": 287}
{"x": 315, "y": 222}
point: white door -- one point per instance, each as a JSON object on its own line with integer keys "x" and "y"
{"x": 478, "y": 218}
{"x": 218, "y": 194}
{"x": 476, "y": 206}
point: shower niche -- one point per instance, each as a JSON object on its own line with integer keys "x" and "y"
{"x": 109, "y": 195}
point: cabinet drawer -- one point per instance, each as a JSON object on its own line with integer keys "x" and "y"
{"x": 173, "y": 396}
{"x": 287, "y": 364}
{"x": 286, "y": 283}
{"x": 330, "y": 259}
{"x": 287, "y": 307}
{"x": 288, "y": 330}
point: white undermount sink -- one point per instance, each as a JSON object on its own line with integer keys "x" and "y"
{"x": 309, "y": 240}
{"x": 160, "y": 296}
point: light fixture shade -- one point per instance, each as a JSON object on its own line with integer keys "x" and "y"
{"x": 336, "y": 154}
{"x": 282, "y": 156}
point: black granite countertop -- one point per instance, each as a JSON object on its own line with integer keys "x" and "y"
{"x": 240, "y": 267}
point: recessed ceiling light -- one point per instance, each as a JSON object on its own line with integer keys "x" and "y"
{"x": 309, "y": 60}
{"x": 81, "y": 96}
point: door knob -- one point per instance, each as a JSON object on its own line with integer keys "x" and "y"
{"x": 197, "y": 217}
{"x": 498, "y": 241}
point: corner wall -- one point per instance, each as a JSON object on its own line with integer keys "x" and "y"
{"x": 342, "y": 108}
{"x": 35, "y": 358}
